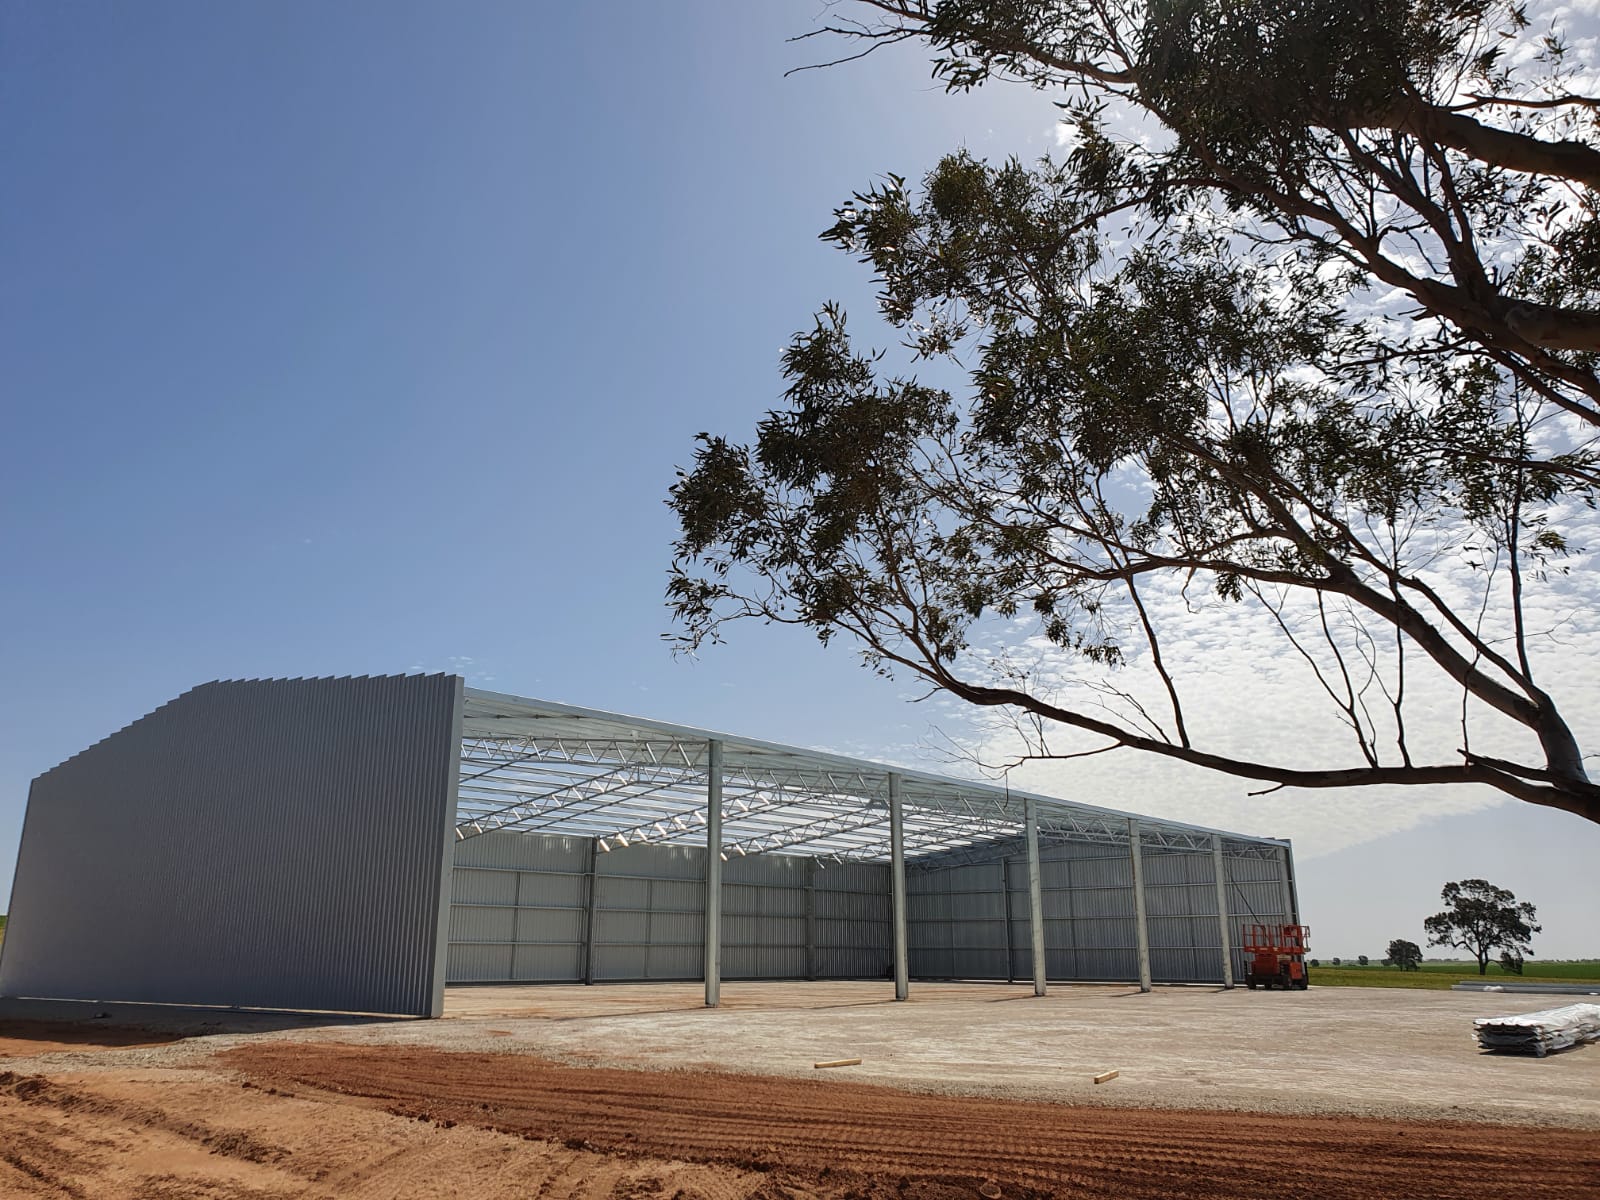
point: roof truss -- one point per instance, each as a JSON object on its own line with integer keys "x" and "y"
{"x": 538, "y": 767}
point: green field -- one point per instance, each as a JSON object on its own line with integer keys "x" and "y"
{"x": 1443, "y": 975}
{"x": 1583, "y": 971}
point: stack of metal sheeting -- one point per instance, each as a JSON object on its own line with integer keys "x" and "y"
{"x": 1539, "y": 1033}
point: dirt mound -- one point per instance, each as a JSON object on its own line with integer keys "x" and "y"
{"x": 831, "y": 1138}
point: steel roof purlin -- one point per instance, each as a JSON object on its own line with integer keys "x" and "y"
{"x": 535, "y": 765}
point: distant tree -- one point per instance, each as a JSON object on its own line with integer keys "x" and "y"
{"x": 1363, "y": 960}
{"x": 1316, "y": 962}
{"x": 1336, "y": 962}
{"x": 1405, "y": 955}
{"x": 1511, "y": 962}
{"x": 1481, "y": 919}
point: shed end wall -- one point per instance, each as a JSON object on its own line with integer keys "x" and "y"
{"x": 258, "y": 843}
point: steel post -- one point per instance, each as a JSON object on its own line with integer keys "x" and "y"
{"x": 516, "y": 926}
{"x": 713, "y": 921}
{"x": 1035, "y": 897}
{"x": 589, "y": 905}
{"x": 1294, "y": 888}
{"x": 1142, "y": 928}
{"x": 897, "y": 889}
{"x": 1220, "y": 870}
{"x": 1286, "y": 888}
{"x": 1005, "y": 893}
{"x": 811, "y": 918}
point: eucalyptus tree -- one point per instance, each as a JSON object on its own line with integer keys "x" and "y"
{"x": 1406, "y": 955}
{"x": 1303, "y": 320}
{"x": 1482, "y": 918}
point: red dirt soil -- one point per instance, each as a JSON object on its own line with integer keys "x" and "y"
{"x": 832, "y": 1138}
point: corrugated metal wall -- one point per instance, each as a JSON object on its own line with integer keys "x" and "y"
{"x": 261, "y": 843}
{"x": 649, "y": 912}
{"x": 520, "y": 912}
{"x": 853, "y": 935}
{"x": 971, "y": 922}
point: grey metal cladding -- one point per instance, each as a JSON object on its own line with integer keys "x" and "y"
{"x": 958, "y": 914}
{"x": 261, "y": 843}
{"x": 519, "y": 907}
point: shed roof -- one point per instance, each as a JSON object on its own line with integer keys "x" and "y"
{"x": 538, "y": 766}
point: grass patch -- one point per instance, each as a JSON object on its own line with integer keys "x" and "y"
{"x": 1442, "y": 976}
{"x": 1584, "y": 971}
{"x": 1367, "y": 977}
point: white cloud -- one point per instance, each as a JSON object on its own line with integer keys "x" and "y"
{"x": 473, "y": 670}
{"x": 1247, "y": 693}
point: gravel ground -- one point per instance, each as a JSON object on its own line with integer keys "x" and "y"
{"x": 1368, "y": 1052}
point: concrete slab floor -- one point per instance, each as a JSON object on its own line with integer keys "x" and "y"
{"x": 1358, "y": 1050}
{"x": 559, "y": 1000}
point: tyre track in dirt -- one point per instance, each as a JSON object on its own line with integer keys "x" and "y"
{"x": 194, "y": 1136}
{"x": 53, "y": 1135}
{"x": 815, "y": 1134}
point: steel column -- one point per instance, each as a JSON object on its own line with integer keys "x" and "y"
{"x": 516, "y": 925}
{"x": 897, "y": 889}
{"x": 1294, "y": 890}
{"x": 1220, "y": 870}
{"x": 1142, "y": 929}
{"x": 441, "y": 929}
{"x": 713, "y": 921}
{"x": 1030, "y": 817}
{"x": 589, "y": 909}
{"x": 1011, "y": 950}
{"x": 811, "y": 918}
{"x": 1286, "y": 888}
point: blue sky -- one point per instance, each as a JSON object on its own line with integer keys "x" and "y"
{"x": 366, "y": 337}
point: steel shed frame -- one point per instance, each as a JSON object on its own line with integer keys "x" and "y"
{"x": 584, "y": 845}
{"x": 626, "y": 784}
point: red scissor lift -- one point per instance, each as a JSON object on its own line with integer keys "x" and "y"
{"x": 1275, "y": 955}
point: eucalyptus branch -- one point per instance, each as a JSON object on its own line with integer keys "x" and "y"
{"x": 1305, "y": 348}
